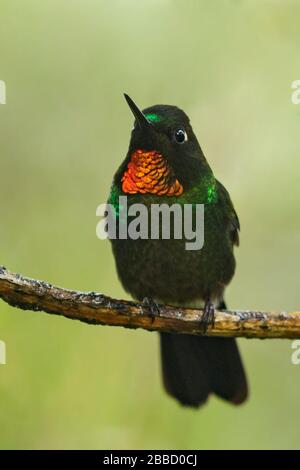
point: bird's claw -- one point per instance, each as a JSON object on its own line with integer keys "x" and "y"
{"x": 208, "y": 316}
{"x": 153, "y": 306}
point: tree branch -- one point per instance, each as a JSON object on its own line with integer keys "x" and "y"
{"x": 98, "y": 309}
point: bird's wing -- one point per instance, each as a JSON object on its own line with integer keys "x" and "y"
{"x": 232, "y": 220}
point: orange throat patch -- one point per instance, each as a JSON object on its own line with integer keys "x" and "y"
{"x": 149, "y": 172}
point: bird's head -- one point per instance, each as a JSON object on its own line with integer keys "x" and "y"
{"x": 164, "y": 155}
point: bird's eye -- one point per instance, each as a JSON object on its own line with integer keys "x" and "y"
{"x": 180, "y": 136}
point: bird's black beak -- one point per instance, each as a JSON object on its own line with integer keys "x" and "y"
{"x": 139, "y": 116}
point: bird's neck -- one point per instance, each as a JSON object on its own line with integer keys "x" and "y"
{"x": 149, "y": 172}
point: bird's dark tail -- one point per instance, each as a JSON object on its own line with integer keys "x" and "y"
{"x": 193, "y": 367}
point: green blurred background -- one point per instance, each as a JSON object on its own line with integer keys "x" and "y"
{"x": 65, "y": 128}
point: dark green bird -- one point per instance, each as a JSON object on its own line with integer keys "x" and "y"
{"x": 165, "y": 164}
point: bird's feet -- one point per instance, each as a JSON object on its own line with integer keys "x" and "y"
{"x": 153, "y": 306}
{"x": 208, "y": 316}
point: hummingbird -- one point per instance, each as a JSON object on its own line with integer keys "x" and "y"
{"x": 165, "y": 165}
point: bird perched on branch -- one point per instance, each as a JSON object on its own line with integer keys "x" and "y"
{"x": 165, "y": 164}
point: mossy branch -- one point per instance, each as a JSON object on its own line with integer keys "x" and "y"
{"x": 98, "y": 309}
